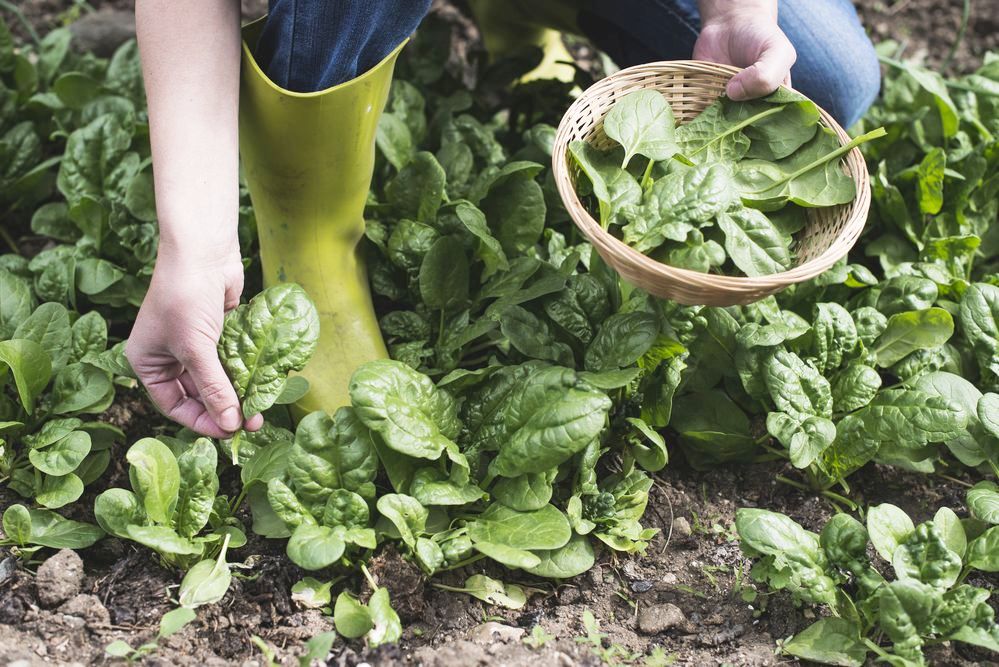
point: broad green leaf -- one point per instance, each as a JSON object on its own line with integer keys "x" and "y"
{"x": 417, "y": 191}
{"x": 17, "y": 524}
{"x": 613, "y": 187}
{"x": 492, "y": 591}
{"x": 117, "y": 509}
{"x": 753, "y": 242}
{"x": 404, "y": 407}
{"x": 642, "y": 122}
{"x": 830, "y": 641}
{"x": 910, "y": 331}
{"x": 155, "y": 478}
{"x": 444, "y": 275}
{"x": 565, "y": 562}
{"x": 30, "y": 367}
{"x": 62, "y": 457}
{"x": 797, "y": 388}
{"x": 351, "y": 618}
{"x": 912, "y": 418}
{"x": 198, "y": 487}
{"x": 56, "y": 492}
{"x": 313, "y": 547}
{"x": 983, "y": 502}
{"x": 264, "y": 340}
{"x": 49, "y": 529}
{"x": 888, "y": 527}
{"x": 205, "y": 583}
{"x": 330, "y": 453}
{"x": 620, "y": 340}
{"x": 407, "y": 515}
{"x": 163, "y": 539}
{"x": 387, "y": 626}
{"x": 983, "y": 551}
{"x": 546, "y": 528}
{"x": 174, "y": 621}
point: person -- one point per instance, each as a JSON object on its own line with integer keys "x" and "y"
{"x": 190, "y": 53}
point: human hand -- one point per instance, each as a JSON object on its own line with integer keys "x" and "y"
{"x": 173, "y": 345}
{"x": 746, "y": 36}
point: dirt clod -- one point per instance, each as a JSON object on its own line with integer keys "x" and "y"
{"x": 681, "y": 527}
{"x": 59, "y": 578}
{"x": 486, "y": 633}
{"x": 660, "y": 617}
{"x": 89, "y": 608}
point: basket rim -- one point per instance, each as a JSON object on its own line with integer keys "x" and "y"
{"x": 735, "y": 285}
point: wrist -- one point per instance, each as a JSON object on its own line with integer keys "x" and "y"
{"x": 727, "y": 11}
{"x": 196, "y": 251}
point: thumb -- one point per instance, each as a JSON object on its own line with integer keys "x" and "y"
{"x": 765, "y": 75}
{"x": 215, "y": 390}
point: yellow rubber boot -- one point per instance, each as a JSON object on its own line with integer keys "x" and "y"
{"x": 509, "y": 25}
{"x": 308, "y": 159}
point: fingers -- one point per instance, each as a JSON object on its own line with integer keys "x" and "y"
{"x": 772, "y": 68}
{"x": 254, "y": 423}
{"x": 213, "y": 387}
{"x": 169, "y": 395}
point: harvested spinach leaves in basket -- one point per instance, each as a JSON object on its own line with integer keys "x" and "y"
{"x": 725, "y": 192}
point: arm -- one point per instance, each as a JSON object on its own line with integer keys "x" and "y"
{"x": 744, "y": 33}
{"x": 190, "y": 53}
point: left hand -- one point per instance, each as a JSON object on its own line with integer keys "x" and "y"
{"x": 749, "y": 38}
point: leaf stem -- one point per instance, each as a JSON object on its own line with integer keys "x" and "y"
{"x": 738, "y": 126}
{"x": 791, "y": 482}
{"x": 234, "y": 445}
{"x": 828, "y": 157}
{"x": 367, "y": 575}
{"x": 961, "y": 31}
{"x": 461, "y": 564}
{"x": 647, "y": 176}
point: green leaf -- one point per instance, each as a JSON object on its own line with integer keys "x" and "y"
{"x": 613, "y": 187}
{"x": 983, "y": 551}
{"x": 567, "y": 561}
{"x": 988, "y": 413}
{"x": 17, "y": 304}
{"x": 621, "y": 339}
{"x": 888, "y": 527}
{"x": 753, "y": 242}
{"x": 117, "y": 509}
{"x": 175, "y": 620}
{"x": 925, "y": 557}
{"x": 51, "y": 530}
{"x": 404, "y": 407}
{"x": 387, "y": 626}
{"x": 444, "y": 275}
{"x": 63, "y": 456}
{"x": 912, "y": 418}
{"x": 17, "y": 525}
{"x": 155, "y": 478}
{"x": 492, "y": 591}
{"x": 264, "y": 340}
{"x": 198, "y": 487}
{"x": 49, "y": 326}
{"x": 910, "y": 331}
{"x": 205, "y": 583}
{"x": 417, "y": 191}
{"x": 56, "y": 492}
{"x": 983, "y": 502}
{"x": 164, "y": 540}
{"x": 30, "y": 366}
{"x": 546, "y": 528}
{"x": 797, "y": 388}
{"x": 351, "y": 618}
{"x": 642, "y": 122}
{"x": 407, "y": 515}
{"x": 830, "y": 641}
{"x": 313, "y": 547}
{"x": 331, "y": 453}
{"x": 930, "y": 181}
{"x": 980, "y": 324}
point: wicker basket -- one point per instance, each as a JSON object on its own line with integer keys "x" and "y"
{"x": 690, "y": 86}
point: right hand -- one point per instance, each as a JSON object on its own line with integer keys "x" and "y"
{"x": 173, "y": 345}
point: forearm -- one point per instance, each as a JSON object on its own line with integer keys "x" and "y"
{"x": 190, "y": 62}
{"x": 713, "y": 11}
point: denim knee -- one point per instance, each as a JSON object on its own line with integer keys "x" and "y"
{"x": 837, "y": 65}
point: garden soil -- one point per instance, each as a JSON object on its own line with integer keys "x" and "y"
{"x": 689, "y": 600}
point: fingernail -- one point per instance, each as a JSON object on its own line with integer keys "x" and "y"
{"x": 231, "y": 419}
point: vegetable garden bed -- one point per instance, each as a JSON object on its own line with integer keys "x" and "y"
{"x": 868, "y": 388}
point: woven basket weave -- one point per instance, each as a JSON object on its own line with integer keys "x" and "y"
{"x": 690, "y": 86}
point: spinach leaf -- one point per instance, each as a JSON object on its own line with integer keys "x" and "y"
{"x": 643, "y": 123}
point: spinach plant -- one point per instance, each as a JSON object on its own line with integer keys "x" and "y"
{"x": 927, "y": 602}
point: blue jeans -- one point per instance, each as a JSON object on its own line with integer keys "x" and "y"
{"x": 311, "y": 45}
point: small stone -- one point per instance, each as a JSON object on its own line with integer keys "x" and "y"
{"x": 89, "y": 608}
{"x": 487, "y": 633}
{"x": 59, "y": 578}
{"x": 642, "y": 586}
{"x": 681, "y": 527}
{"x": 670, "y": 579}
{"x": 631, "y": 571}
{"x": 660, "y": 617}
{"x": 102, "y": 32}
